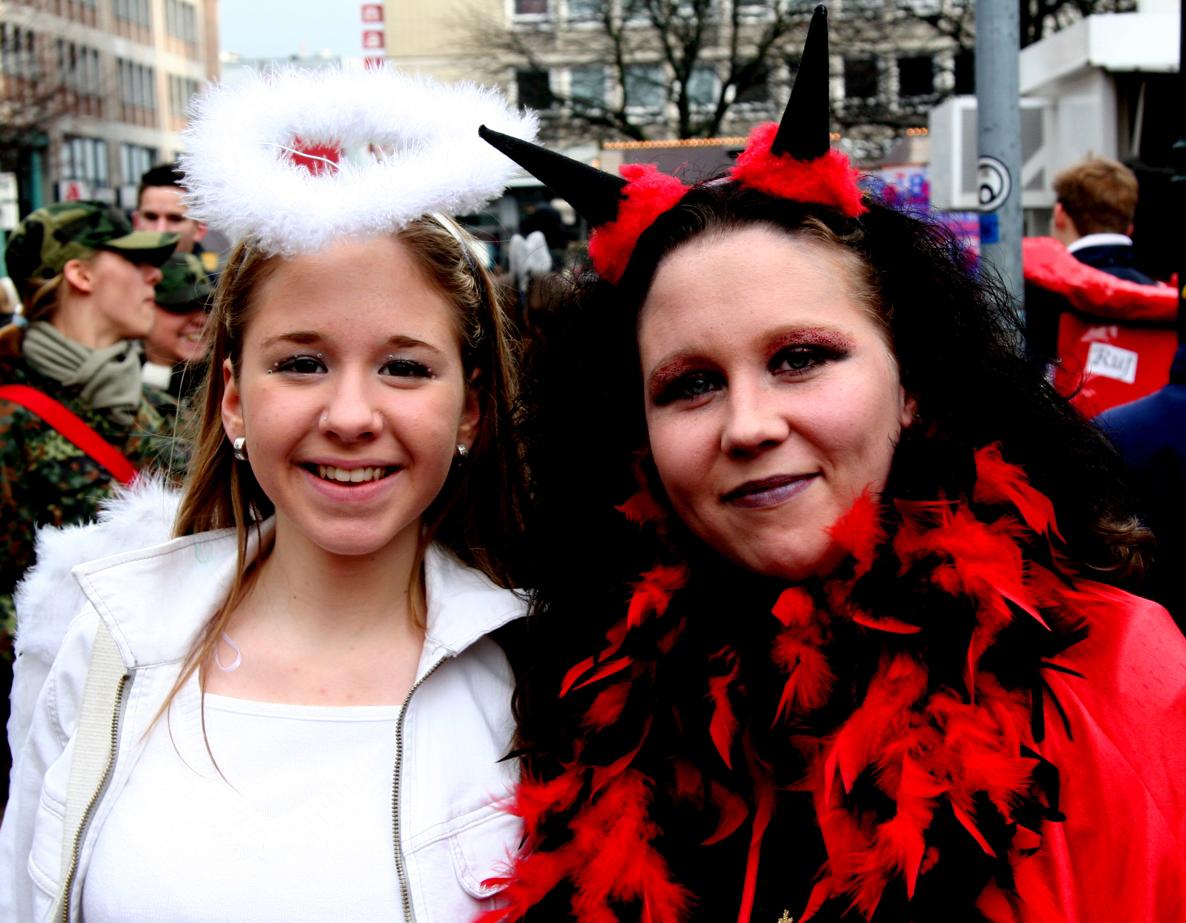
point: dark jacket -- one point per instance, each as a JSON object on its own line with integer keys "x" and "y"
{"x": 1114, "y": 259}
{"x": 1150, "y": 434}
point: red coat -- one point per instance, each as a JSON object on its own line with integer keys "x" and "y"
{"x": 1117, "y": 342}
{"x": 1120, "y": 855}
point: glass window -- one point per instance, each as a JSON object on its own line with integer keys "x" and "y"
{"x": 702, "y": 87}
{"x": 135, "y": 160}
{"x": 535, "y": 89}
{"x": 965, "y": 73}
{"x": 588, "y": 87}
{"x": 916, "y": 76}
{"x": 645, "y": 86}
{"x": 860, "y": 78}
{"x": 758, "y": 91}
{"x": 84, "y": 159}
{"x": 584, "y": 10}
{"x": 531, "y": 7}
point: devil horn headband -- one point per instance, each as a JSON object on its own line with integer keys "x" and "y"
{"x": 789, "y": 160}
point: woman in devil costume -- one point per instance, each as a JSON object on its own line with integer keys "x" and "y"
{"x": 879, "y": 664}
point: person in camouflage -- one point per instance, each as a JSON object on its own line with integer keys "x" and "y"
{"x": 173, "y": 350}
{"x": 86, "y": 283}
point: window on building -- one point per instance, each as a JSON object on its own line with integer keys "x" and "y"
{"x": 535, "y": 89}
{"x": 860, "y": 78}
{"x": 138, "y": 12}
{"x": 965, "y": 73}
{"x": 703, "y": 88}
{"x": 135, "y": 160}
{"x": 18, "y": 52}
{"x": 758, "y": 91}
{"x": 181, "y": 91}
{"x": 531, "y": 7}
{"x": 84, "y": 159}
{"x": 79, "y": 68}
{"x": 137, "y": 84}
{"x": 586, "y": 10}
{"x": 645, "y": 86}
{"x": 916, "y": 76}
{"x": 635, "y": 9}
{"x": 587, "y": 86}
{"x": 181, "y": 21}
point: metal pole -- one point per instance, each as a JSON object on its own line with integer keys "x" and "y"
{"x": 998, "y": 102}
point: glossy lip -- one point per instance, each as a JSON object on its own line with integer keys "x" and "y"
{"x": 768, "y": 492}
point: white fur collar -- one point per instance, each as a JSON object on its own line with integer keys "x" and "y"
{"x": 48, "y": 598}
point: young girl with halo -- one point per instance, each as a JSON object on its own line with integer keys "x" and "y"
{"x": 296, "y": 709}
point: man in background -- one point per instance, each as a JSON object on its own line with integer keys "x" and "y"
{"x": 159, "y": 207}
{"x": 182, "y": 299}
{"x": 1095, "y": 201}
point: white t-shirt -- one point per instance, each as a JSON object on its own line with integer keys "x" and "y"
{"x": 297, "y": 828}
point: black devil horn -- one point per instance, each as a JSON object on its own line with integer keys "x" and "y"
{"x": 803, "y": 131}
{"x": 594, "y": 193}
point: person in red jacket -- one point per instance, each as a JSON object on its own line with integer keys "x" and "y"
{"x": 853, "y": 646}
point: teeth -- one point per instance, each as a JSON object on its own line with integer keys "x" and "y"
{"x": 349, "y": 475}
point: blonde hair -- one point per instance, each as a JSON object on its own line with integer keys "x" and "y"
{"x": 478, "y": 512}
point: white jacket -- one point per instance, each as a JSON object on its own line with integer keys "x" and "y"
{"x": 454, "y": 729}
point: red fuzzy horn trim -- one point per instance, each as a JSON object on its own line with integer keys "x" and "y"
{"x": 649, "y": 194}
{"x": 828, "y": 180}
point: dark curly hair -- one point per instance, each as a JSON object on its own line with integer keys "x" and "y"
{"x": 957, "y": 340}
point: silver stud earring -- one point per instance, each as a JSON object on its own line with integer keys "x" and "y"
{"x": 462, "y": 450}
{"x": 239, "y": 448}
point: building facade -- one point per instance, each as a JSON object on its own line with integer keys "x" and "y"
{"x": 93, "y": 92}
{"x": 614, "y": 71}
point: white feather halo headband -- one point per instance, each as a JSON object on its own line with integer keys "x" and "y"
{"x": 410, "y": 147}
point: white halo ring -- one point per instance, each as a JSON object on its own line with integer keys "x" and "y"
{"x": 243, "y": 183}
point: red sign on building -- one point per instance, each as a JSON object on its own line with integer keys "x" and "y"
{"x": 373, "y": 39}
{"x": 372, "y": 12}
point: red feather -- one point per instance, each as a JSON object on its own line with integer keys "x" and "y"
{"x": 731, "y": 813}
{"x": 764, "y": 810}
{"x": 885, "y": 713}
{"x": 827, "y": 180}
{"x": 859, "y": 531}
{"x": 901, "y": 841}
{"x": 607, "y": 707}
{"x": 642, "y": 508}
{"x": 794, "y": 607}
{"x": 885, "y": 623}
{"x": 614, "y": 638}
{"x": 653, "y": 592}
{"x": 648, "y": 194}
{"x": 723, "y": 725}
{"x": 998, "y": 481}
{"x": 810, "y": 678}
{"x": 689, "y": 783}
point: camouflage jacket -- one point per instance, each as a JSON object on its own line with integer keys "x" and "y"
{"x": 46, "y": 480}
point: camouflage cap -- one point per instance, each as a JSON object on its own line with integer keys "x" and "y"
{"x": 185, "y": 285}
{"x": 50, "y": 237}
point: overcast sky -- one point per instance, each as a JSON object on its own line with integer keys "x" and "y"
{"x": 278, "y": 28}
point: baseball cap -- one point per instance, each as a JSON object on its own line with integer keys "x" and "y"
{"x": 51, "y": 236}
{"x": 185, "y": 285}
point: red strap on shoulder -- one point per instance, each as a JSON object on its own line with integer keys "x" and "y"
{"x": 72, "y": 427}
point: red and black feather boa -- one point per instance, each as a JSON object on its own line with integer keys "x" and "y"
{"x": 898, "y": 703}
